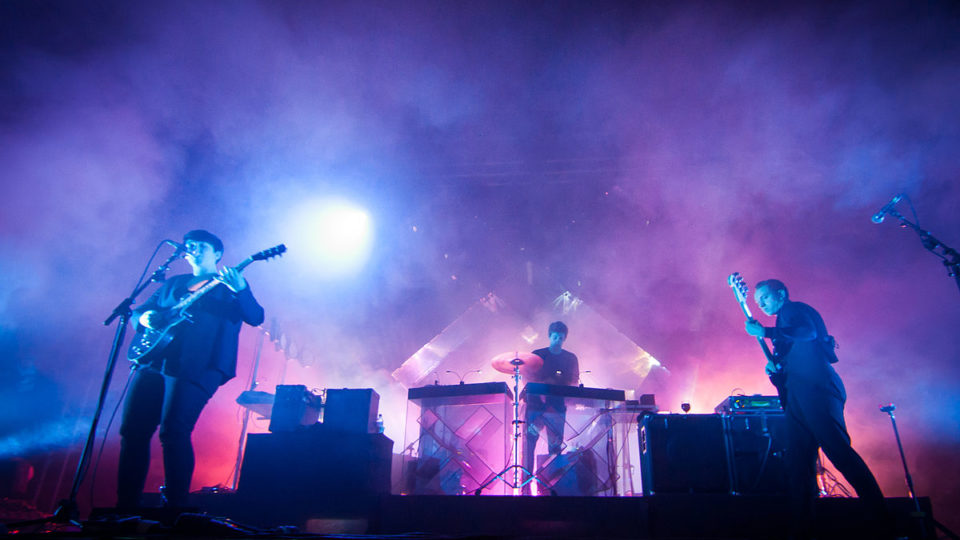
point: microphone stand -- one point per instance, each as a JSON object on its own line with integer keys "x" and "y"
{"x": 950, "y": 256}
{"x": 68, "y": 511}
{"x": 919, "y": 514}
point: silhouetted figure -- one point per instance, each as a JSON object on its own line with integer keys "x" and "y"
{"x": 202, "y": 356}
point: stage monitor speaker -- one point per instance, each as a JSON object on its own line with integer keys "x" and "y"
{"x": 757, "y": 445}
{"x": 352, "y": 409}
{"x": 683, "y": 453}
{"x": 293, "y": 407}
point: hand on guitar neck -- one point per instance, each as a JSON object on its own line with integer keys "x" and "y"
{"x": 773, "y": 368}
{"x": 229, "y": 276}
{"x": 233, "y": 279}
{"x": 755, "y": 329}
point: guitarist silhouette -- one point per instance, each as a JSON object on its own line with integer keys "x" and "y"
{"x": 815, "y": 398}
{"x": 199, "y": 316}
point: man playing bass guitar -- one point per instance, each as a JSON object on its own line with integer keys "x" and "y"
{"x": 170, "y": 391}
{"x": 815, "y": 398}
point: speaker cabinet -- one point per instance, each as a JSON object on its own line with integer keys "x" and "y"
{"x": 683, "y": 453}
{"x": 293, "y": 406}
{"x": 757, "y": 444}
{"x": 314, "y": 464}
{"x": 352, "y": 409}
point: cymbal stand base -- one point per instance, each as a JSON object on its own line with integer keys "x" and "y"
{"x": 516, "y": 484}
{"x": 517, "y": 469}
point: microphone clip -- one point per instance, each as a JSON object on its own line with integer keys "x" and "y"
{"x": 887, "y": 208}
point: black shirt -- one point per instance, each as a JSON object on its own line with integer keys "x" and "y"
{"x": 562, "y": 368}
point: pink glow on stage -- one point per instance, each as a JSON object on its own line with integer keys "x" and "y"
{"x": 631, "y": 153}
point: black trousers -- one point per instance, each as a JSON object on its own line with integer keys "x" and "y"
{"x": 172, "y": 404}
{"x": 550, "y": 419}
{"x": 814, "y": 419}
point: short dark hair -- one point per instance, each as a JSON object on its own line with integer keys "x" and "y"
{"x": 774, "y": 285}
{"x": 558, "y": 327}
{"x": 200, "y": 235}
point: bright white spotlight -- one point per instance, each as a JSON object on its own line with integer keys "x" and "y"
{"x": 333, "y": 236}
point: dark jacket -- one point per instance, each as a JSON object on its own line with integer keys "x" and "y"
{"x": 204, "y": 349}
{"x": 803, "y": 346}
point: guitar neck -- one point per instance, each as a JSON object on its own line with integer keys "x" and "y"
{"x": 196, "y": 295}
{"x": 739, "y": 290}
{"x": 766, "y": 349}
{"x": 763, "y": 343}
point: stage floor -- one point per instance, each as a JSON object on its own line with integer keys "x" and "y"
{"x": 661, "y": 516}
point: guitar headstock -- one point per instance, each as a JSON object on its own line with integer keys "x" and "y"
{"x": 739, "y": 286}
{"x": 275, "y": 251}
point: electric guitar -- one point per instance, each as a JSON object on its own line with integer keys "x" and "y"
{"x": 777, "y": 377}
{"x": 148, "y": 343}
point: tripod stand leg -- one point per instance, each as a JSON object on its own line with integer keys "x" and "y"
{"x": 515, "y": 485}
{"x": 534, "y": 478}
{"x": 515, "y": 467}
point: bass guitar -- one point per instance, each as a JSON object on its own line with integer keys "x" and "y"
{"x": 774, "y": 365}
{"x": 148, "y": 343}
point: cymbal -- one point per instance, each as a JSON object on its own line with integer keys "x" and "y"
{"x": 528, "y": 362}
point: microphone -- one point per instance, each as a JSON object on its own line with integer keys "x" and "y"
{"x": 180, "y": 247}
{"x": 879, "y": 216}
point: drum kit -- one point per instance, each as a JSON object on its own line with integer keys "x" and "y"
{"x": 518, "y": 365}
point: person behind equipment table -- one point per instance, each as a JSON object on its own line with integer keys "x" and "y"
{"x": 560, "y": 367}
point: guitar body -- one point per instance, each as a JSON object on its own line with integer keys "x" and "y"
{"x": 779, "y": 381}
{"x": 148, "y": 344}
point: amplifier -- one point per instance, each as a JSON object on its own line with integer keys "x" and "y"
{"x": 748, "y": 404}
{"x": 683, "y": 453}
{"x": 756, "y": 447}
{"x": 293, "y": 406}
{"x": 352, "y": 409}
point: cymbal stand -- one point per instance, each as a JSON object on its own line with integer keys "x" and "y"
{"x": 516, "y": 467}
